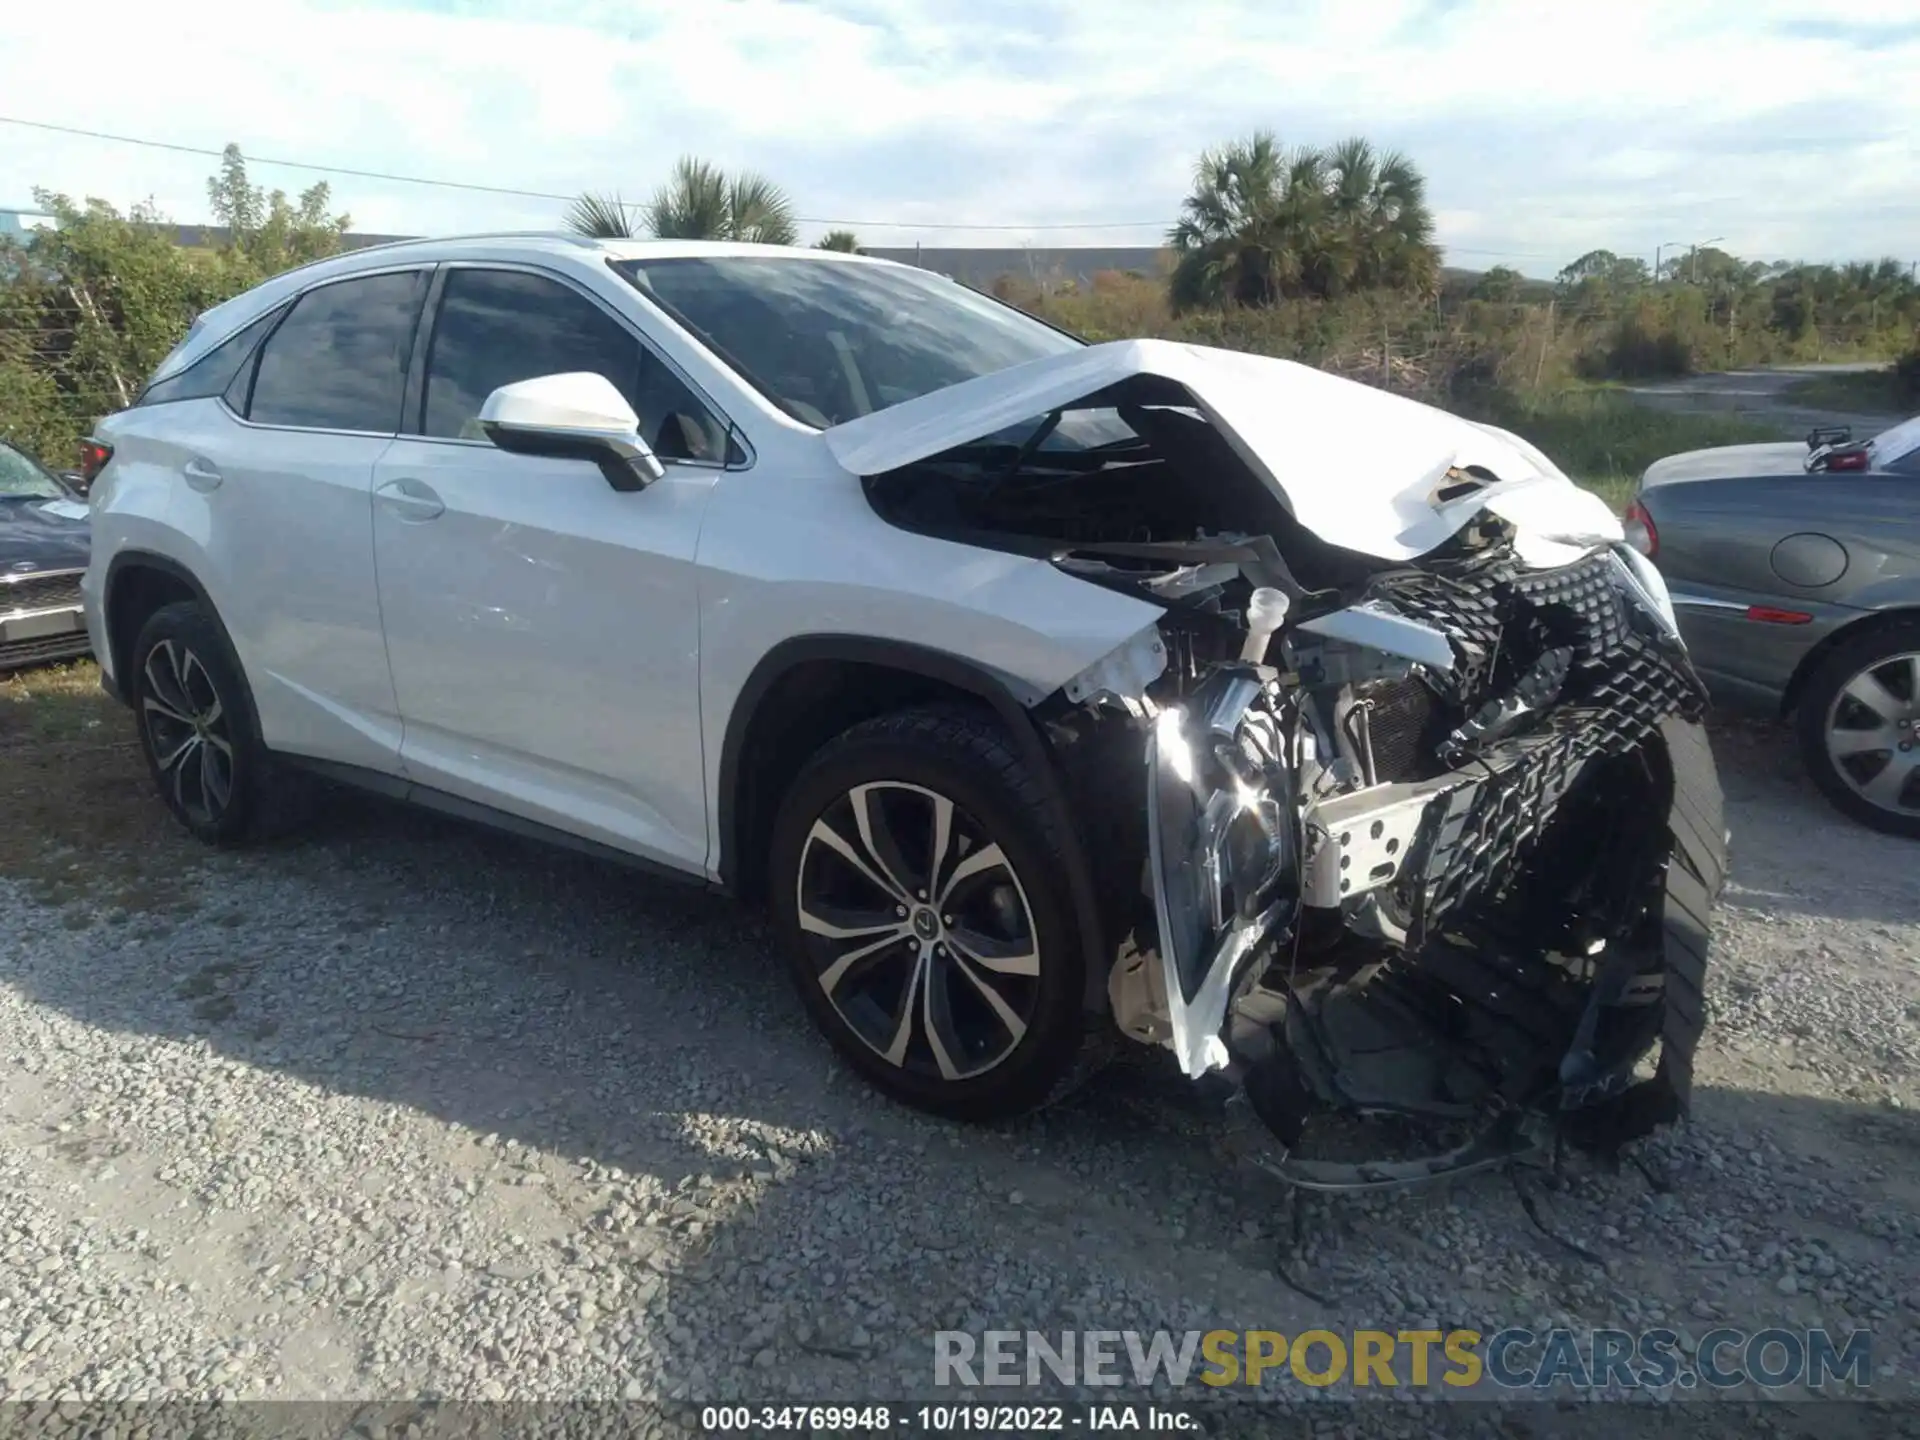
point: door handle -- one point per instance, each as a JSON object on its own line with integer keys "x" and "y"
{"x": 200, "y": 475}
{"x": 410, "y": 500}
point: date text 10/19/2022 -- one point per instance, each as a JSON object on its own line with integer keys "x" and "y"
{"x": 947, "y": 1419}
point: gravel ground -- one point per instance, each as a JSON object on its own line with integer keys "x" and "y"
{"x": 404, "y": 1109}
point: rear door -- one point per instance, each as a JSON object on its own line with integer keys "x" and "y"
{"x": 274, "y": 485}
{"x": 544, "y": 627}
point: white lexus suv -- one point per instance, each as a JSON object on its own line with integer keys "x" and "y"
{"x": 1046, "y": 692}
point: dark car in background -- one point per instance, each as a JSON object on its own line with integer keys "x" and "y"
{"x": 1795, "y": 573}
{"x": 43, "y": 552}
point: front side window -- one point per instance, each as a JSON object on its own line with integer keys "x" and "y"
{"x": 339, "y": 360}
{"x": 21, "y": 477}
{"x": 828, "y": 341}
{"x": 498, "y": 327}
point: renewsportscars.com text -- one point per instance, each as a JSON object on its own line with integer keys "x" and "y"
{"x": 1510, "y": 1358}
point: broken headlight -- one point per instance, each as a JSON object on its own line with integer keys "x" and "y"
{"x": 1221, "y": 851}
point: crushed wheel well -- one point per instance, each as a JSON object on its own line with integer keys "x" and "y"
{"x": 1845, "y": 635}
{"x": 806, "y": 706}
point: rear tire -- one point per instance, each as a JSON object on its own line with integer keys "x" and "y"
{"x": 1868, "y": 692}
{"x": 198, "y": 732}
{"x": 919, "y": 885}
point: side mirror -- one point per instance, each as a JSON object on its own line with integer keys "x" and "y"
{"x": 578, "y": 416}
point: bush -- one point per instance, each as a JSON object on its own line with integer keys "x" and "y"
{"x": 90, "y": 306}
{"x": 1906, "y": 374}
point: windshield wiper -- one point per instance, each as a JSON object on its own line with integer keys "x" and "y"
{"x": 1033, "y": 442}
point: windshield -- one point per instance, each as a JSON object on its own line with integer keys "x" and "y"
{"x": 22, "y": 478}
{"x": 830, "y": 340}
{"x": 1889, "y": 445}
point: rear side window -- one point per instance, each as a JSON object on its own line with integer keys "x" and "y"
{"x": 497, "y": 327}
{"x": 214, "y": 371}
{"x": 339, "y": 360}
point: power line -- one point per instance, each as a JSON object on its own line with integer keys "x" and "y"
{"x": 547, "y": 194}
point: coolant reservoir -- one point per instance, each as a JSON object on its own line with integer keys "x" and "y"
{"x": 1266, "y": 613}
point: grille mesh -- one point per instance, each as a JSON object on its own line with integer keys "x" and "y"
{"x": 39, "y": 592}
{"x": 1401, "y": 726}
{"x": 1624, "y": 680}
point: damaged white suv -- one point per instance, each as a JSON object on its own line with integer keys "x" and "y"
{"x": 1047, "y": 692}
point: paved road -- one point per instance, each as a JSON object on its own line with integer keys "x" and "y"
{"x": 1761, "y": 396}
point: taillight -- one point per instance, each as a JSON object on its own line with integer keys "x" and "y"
{"x": 1846, "y": 460}
{"x": 1641, "y": 535}
{"x": 93, "y": 459}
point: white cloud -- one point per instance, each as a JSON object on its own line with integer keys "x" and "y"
{"x": 1546, "y": 129}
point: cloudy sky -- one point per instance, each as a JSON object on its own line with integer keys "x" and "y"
{"x": 1546, "y": 127}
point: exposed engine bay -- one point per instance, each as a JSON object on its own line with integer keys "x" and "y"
{"x": 1431, "y": 839}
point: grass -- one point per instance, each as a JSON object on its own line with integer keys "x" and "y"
{"x": 1862, "y": 392}
{"x": 82, "y": 828}
{"x": 1602, "y": 437}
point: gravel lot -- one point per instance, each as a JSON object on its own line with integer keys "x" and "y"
{"x": 405, "y": 1109}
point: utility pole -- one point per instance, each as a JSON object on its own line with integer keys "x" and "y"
{"x": 1664, "y": 245}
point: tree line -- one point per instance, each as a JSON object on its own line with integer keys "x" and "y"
{"x": 1325, "y": 254}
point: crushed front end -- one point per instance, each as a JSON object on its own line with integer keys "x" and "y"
{"x": 1429, "y": 828}
{"x": 1440, "y": 847}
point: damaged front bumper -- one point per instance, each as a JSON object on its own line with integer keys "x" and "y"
{"x": 1494, "y": 926}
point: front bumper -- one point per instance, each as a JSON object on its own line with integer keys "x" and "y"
{"x": 1507, "y": 932}
{"x": 42, "y": 619}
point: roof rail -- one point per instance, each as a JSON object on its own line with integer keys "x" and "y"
{"x": 584, "y": 241}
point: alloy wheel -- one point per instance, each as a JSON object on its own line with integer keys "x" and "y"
{"x": 1873, "y": 733}
{"x": 919, "y": 930}
{"x": 187, "y": 732}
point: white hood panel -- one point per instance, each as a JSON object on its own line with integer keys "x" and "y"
{"x": 1355, "y": 465}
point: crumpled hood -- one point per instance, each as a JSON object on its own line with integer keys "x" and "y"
{"x": 1357, "y": 466}
{"x": 1724, "y": 462}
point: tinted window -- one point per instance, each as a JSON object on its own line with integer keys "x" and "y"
{"x": 215, "y": 370}
{"x": 339, "y": 361}
{"x": 829, "y": 340}
{"x": 496, "y": 327}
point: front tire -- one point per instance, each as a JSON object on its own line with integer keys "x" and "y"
{"x": 1859, "y": 727}
{"x": 918, "y": 880}
{"x": 197, "y": 730}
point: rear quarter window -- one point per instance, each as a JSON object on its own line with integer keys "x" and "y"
{"x": 214, "y": 371}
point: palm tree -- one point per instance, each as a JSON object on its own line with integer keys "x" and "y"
{"x": 1265, "y": 222}
{"x": 700, "y": 201}
{"x": 1237, "y": 232}
{"x": 600, "y": 217}
{"x": 839, "y": 240}
{"x": 1383, "y": 229}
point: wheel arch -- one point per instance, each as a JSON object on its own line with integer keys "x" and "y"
{"x": 139, "y": 582}
{"x": 809, "y": 689}
{"x": 1853, "y": 630}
